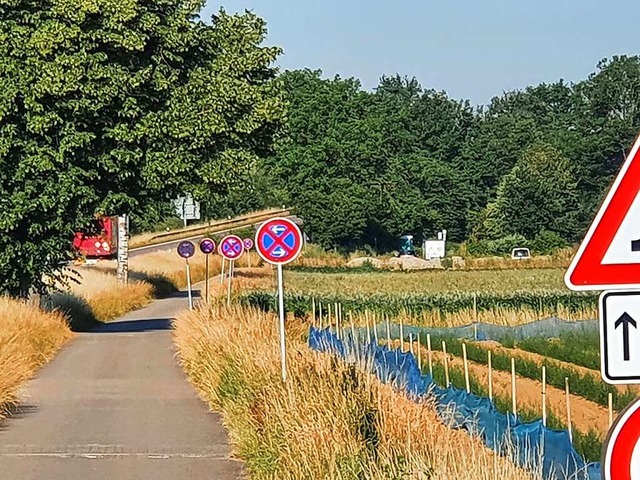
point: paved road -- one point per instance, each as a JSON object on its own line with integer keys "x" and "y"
{"x": 115, "y": 405}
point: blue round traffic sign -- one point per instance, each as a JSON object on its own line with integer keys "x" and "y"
{"x": 207, "y": 246}
{"x": 186, "y": 249}
{"x": 231, "y": 247}
{"x": 279, "y": 241}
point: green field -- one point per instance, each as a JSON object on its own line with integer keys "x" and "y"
{"x": 431, "y": 281}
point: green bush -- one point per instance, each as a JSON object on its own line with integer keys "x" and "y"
{"x": 547, "y": 242}
{"x": 497, "y": 247}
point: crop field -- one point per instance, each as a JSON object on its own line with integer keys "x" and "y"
{"x": 459, "y": 298}
{"x": 426, "y": 281}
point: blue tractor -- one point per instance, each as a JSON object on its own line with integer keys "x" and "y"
{"x": 406, "y": 246}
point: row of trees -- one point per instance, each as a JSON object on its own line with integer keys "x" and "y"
{"x": 110, "y": 106}
{"x": 363, "y": 168}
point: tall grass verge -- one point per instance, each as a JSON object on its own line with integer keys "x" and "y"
{"x": 330, "y": 421}
{"x": 29, "y": 337}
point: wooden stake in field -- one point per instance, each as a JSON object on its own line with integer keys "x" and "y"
{"x": 388, "y": 332}
{"x": 411, "y": 343}
{"x": 375, "y": 329}
{"x": 610, "y": 402}
{"x": 313, "y": 308}
{"x": 430, "y": 355}
{"x": 490, "y": 375}
{"x": 419, "y": 353}
{"x": 513, "y": 388}
{"x": 354, "y": 339}
{"x": 544, "y": 395}
{"x": 466, "y": 367}
{"x": 566, "y": 389}
{"x": 401, "y": 336}
{"x": 222, "y": 272}
{"x": 446, "y": 364}
{"x": 366, "y": 318}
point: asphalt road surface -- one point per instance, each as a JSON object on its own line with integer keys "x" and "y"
{"x": 115, "y": 405}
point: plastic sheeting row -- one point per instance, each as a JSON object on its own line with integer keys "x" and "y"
{"x": 530, "y": 445}
{"x": 549, "y": 327}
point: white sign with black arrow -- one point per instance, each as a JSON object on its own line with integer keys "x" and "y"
{"x": 620, "y": 337}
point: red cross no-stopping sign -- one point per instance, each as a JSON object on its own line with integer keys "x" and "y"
{"x": 279, "y": 241}
{"x": 231, "y": 247}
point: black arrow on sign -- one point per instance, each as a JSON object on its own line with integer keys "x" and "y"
{"x": 625, "y": 320}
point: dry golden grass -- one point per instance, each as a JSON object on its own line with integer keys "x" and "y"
{"x": 29, "y": 338}
{"x": 330, "y": 421}
{"x": 562, "y": 259}
{"x": 105, "y": 296}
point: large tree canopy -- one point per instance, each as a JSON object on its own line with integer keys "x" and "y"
{"x": 366, "y": 167}
{"x": 107, "y": 105}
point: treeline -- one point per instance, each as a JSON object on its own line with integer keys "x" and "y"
{"x": 363, "y": 168}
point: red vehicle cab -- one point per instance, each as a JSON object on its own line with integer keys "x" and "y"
{"x": 99, "y": 240}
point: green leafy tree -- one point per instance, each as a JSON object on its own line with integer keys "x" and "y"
{"x": 540, "y": 193}
{"x": 108, "y": 105}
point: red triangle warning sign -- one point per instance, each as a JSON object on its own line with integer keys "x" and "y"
{"x": 609, "y": 257}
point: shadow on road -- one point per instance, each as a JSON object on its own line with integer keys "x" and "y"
{"x": 133, "y": 326}
{"x": 13, "y": 412}
{"x": 185, "y": 294}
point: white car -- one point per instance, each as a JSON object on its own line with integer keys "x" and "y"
{"x": 520, "y": 254}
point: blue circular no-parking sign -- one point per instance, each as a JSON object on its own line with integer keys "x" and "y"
{"x": 279, "y": 241}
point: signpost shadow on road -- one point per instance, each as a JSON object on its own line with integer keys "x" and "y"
{"x": 135, "y": 326}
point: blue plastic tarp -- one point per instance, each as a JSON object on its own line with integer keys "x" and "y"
{"x": 530, "y": 445}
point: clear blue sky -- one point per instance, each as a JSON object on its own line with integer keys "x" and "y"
{"x": 472, "y": 49}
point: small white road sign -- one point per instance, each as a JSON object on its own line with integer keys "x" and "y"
{"x": 620, "y": 337}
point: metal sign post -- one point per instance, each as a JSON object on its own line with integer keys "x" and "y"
{"x": 248, "y": 245}
{"x": 207, "y": 246}
{"x": 231, "y": 248}
{"x": 279, "y": 242}
{"x": 281, "y": 313}
{"x": 186, "y": 250}
{"x": 231, "y": 262}
{"x": 189, "y": 284}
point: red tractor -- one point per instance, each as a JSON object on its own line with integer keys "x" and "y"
{"x": 99, "y": 240}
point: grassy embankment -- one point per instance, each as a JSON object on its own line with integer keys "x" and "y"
{"x": 29, "y": 338}
{"x": 330, "y": 421}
